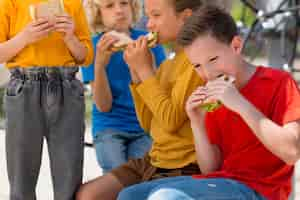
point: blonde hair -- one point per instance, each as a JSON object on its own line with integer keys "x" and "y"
{"x": 93, "y": 13}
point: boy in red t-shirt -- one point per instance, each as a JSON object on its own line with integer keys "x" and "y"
{"x": 246, "y": 149}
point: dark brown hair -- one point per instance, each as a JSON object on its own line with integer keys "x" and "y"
{"x": 210, "y": 20}
{"x": 181, "y": 5}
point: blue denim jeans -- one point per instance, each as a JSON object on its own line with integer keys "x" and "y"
{"x": 187, "y": 188}
{"x": 114, "y": 147}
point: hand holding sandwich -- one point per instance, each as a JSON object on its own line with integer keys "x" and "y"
{"x": 218, "y": 90}
{"x": 104, "y": 50}
{"x": 139, "y": 58}
{"x": 65, "y": 24}
{"x": 36, "y": 30}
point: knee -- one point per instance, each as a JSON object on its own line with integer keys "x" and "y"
{"x": 168, "y": 194}
{"x": 84, "y": 193}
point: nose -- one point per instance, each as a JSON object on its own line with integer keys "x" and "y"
{"x": 118, "y": 8}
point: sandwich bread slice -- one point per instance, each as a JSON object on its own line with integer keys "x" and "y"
{"x": 215, "y": 104}
{"x": 47, "y": 9}
{"x": 124, "y": 40}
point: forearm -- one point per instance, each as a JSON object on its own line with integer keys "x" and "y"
{"x": 145, "y": 73}
{"x": 78, "y": 49}
{"x": 281, "y": 141}
{"x": 11, "y": 48}
{"x": 143, "y": 113}
{"x": 208, "y": 156}
{"x": 101, "y": 90}
{"x": 134, "y": 77}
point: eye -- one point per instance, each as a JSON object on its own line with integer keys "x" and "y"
{"x": 197, "y": 65}
{"x": 109, "y": 5}
{"x": 213, "y": 59}
{"x": 124, "y": 3}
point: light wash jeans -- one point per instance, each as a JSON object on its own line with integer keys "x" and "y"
{"x": 188, "y": 188}
{"x": 114, "y": 147}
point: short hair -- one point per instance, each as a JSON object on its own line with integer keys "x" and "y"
{"x": 93, "y": 13}
{"x": 210, "y": 20}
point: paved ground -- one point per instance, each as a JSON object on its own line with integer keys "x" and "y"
{"x": 44, "y": 187}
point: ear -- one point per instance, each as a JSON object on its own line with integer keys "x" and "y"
{"x": 186, "y": 13}
{"x": 237, "y": 44}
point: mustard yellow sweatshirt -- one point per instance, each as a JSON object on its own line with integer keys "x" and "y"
{"x": 51, "y": 50}
{"x": 160, "y": 106}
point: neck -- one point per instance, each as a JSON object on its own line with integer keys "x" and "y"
{"x": 245, "y": 73}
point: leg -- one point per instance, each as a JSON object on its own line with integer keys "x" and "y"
{"x": 204, "y": 189}
{"x": 111, "y": 149}
{"x": 142, "y": 190}
{"x": 66, "y": 137}
{"x": 105, "y": 187}
{"x": 139, "y": 145}
{"x": 24, "y": 137}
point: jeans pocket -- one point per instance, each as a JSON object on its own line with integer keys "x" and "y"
{"x": 15, "y": 87}
{"x": 77, "y": 88}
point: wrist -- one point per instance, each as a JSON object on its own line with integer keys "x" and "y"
{"x": 69, "y": 38}
{"x": 145, "y": 72}
{"x": 21, "y": 39}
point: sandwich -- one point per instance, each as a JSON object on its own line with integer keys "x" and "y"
{"x": 124, "y": 40}
{"x": 215, "y": 104}
{"x": 48, "y": 9}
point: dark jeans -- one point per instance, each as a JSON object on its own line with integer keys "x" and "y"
{"x": 46, "y": 105}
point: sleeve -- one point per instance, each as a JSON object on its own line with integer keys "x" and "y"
{"x": 159, "y": 54}
{"x": 286, "y": 102}
{"x": 144, "y": 115}
{"x": 168, "y": 105}
{"x": 88, "y": 71}
{"x": 6, "y": 10}
{"x": 83, "y": 33}
{"x": 211, "y": 127}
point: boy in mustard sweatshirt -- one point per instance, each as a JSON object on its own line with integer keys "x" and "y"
{"x": 43, "y": 98}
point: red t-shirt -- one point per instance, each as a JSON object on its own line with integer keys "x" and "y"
{"x": 245, "y": 158}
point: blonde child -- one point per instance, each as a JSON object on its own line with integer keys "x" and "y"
{"x": 116, "y": 131}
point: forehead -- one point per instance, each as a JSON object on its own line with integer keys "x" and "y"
{"x": 204, "y": 47}
{"x": 103, "y": 2}
{"x": 157, "y": 5}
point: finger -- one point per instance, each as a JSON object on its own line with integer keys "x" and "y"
{"x": 107, "y": 44}
{"x": 218, "y": 83}
{"x": 138, "y": 42}
{"x": 43, "y": 27}
{"x": 44, "y": 32}
{"x": 40, "y": 21}
{"x": 63, "y": 18}
{"x": 144, "y": 42}
{"x": 63, "y": 26}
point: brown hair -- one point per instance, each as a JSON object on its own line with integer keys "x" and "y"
{"x": 181, "y": 5}
{"x": 210, "y": 20}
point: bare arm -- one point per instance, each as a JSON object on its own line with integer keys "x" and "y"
{"x": 65, "y": 24}
{"x": 208, "y": 155}
{"x": 77, "y": 49}
{"x": 11, "y": 48}
{"x": 31, "y": 33}
{"x": 272, "y": 135}
{"x": 101, "y": 90}
{"x": 282, "y": 140}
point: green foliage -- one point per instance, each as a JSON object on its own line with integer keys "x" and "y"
{"x": 242, "y": 13}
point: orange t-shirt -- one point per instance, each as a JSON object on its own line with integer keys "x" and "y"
{"x": 245, "y": 158}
